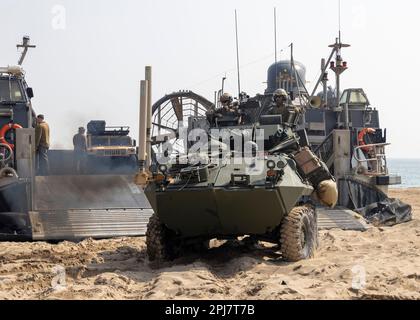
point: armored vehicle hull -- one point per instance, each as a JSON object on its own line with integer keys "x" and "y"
{"x": 220, "y": 208}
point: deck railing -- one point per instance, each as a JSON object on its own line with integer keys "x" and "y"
{"x": 374, "y": 162}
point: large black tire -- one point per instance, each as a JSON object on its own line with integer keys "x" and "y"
{"x": 160, "y": 245}
{"x": 299, "y": 234}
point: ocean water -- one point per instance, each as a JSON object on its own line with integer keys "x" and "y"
{"x": 408, "y": 169}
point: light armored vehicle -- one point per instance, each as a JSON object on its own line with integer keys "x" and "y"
{"x": 247, "y": 172}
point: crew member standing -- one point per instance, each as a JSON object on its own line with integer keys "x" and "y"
{"x": 281, "y": 106}
{"x": 280, "y": 100}
{"x": 80, "y": 148}
{"x": 42, "y": 144}
{"x": 229, "y": 106}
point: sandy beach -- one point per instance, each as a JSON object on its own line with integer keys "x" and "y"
{"x": 379, "y": 263}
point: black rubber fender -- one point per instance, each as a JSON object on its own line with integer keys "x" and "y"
{"x": 15, "y": 223}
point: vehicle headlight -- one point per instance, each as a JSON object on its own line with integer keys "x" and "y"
{"x": 271, "y": 164}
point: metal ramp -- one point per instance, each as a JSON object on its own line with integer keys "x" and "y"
{"x": 79, "y": 207}
{"x": 340, "y": 218}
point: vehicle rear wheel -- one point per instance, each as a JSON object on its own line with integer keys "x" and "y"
{"x": 160, "y": 244}
{"x": 299, "y": 234}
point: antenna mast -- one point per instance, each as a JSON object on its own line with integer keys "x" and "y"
{"x": 275, "y": 47}
{"x": 237, "y": 55}
{"x": 339, "y": 66}
{"x": 339, "y": 20}
{"x": 25, "y": 45}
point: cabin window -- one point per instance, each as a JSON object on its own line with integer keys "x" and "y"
{"x": 344, "y": 96}
{"x": 10, "y": 91}
{"x": 357, "y": 97}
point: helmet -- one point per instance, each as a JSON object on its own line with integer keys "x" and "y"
{"x": 226, "y": 97}
{"x": 280, "y": 93}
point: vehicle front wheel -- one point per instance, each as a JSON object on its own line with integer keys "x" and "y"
{"x": 161, "y": 246}
{"x": 299, "y": 234}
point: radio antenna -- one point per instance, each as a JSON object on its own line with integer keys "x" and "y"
{"x": 339, "y": 20}
{"x": 237, "y": 55}
{"x": 275, "y": 47}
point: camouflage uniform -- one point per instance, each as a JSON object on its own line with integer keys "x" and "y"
{"x": 280, "y": 98}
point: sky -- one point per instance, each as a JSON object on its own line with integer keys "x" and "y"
{"x": 91, "y": 54}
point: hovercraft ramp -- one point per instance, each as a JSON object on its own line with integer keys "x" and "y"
{"x": 340, "y": 218}
{"x": 79, "y": 207}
